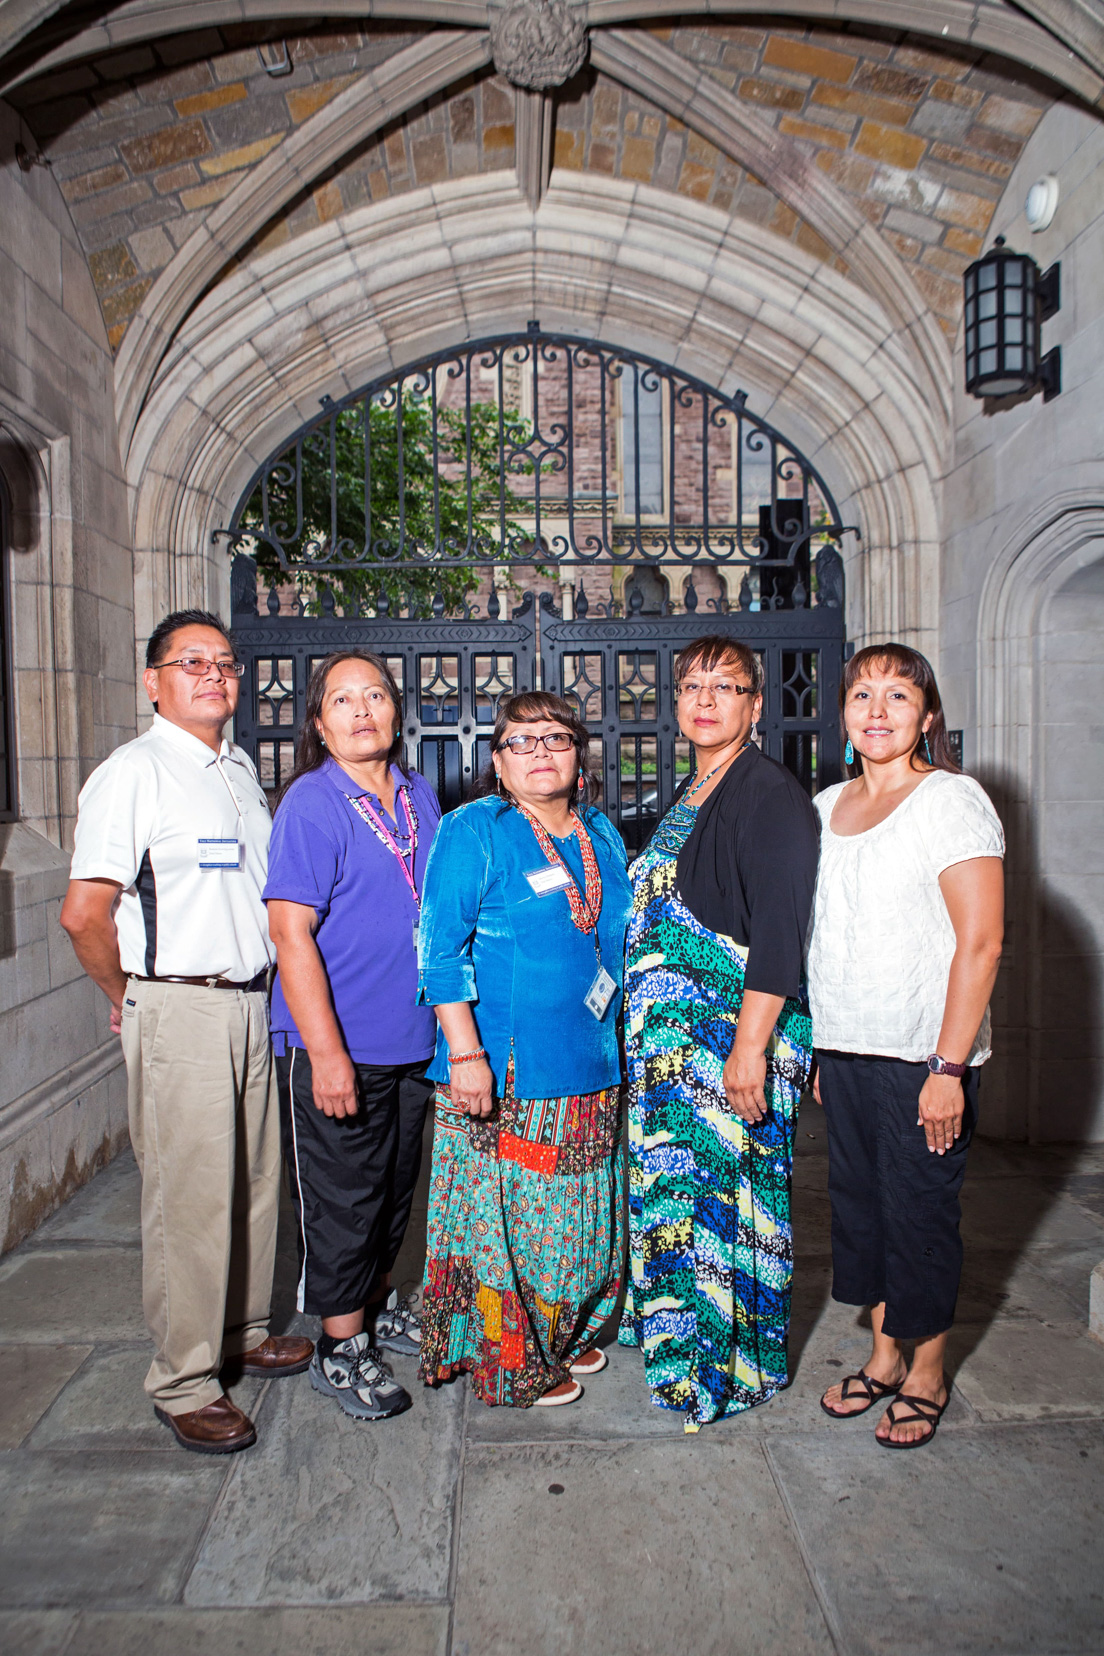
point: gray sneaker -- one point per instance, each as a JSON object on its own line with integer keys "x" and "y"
{"x": 360, "y": 1380}
{"x": 398, "y": 1326}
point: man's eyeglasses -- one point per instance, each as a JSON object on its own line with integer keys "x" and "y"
{"x": 691, "y": 689}
{"x": 199, "y": 667}
{"x": 557, "y": 741}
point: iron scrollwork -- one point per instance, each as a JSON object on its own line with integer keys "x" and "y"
{"x": 542, "y": 450}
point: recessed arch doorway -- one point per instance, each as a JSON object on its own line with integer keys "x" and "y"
{"x": 421, "y": 514}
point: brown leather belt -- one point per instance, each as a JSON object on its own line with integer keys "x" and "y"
{"x": 259, "y": 982}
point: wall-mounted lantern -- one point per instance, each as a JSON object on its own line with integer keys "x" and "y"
{"x": 1007, "y": 301}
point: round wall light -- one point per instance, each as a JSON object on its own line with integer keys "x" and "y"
{"x": 1006, "y": 302}
{"x": 1042, "y": 202}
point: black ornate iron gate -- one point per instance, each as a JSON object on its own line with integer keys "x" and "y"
{"x": 414, "y": 506}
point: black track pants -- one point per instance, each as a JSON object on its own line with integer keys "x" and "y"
{"x": 352, "y": 1180}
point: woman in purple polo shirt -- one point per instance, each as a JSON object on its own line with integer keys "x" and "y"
{"x": 350, "y": 842}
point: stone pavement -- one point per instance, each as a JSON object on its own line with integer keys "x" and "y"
{"x": 598, "y": 1530}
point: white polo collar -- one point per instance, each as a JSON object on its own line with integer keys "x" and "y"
{"x": 190, "y": 744}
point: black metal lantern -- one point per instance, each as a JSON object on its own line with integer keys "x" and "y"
{"x": 1007, "y": 301}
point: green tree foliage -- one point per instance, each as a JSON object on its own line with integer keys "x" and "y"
{"x": 401, "y": 521}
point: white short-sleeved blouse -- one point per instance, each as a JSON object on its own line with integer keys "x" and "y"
{"x": 881, "y": 939}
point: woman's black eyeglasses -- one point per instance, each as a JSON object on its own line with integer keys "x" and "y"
{"x": 557, "y": 741}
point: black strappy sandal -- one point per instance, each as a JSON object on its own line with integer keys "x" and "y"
{"x": 875, "y": 1391}
{"x": 922, "y": 1409}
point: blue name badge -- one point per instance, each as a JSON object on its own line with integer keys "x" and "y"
{"x": 220, "y": 853}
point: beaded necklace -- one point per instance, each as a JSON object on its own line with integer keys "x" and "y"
{"x": 585, "y": 909}
{"x": 702, "y": 780}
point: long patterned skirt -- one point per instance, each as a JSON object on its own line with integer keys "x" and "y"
{"x": 710, "y": 1244}
{"x": 525, "y": 1240}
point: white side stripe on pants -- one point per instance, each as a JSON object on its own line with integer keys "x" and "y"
{"x": 300, "y": 1292}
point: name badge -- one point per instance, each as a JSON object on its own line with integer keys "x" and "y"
{"x": 544, "y": 881}
{"x": 414, "y": 928}
{"x": 220, "y": 853}
{"x": 600, "y": 993}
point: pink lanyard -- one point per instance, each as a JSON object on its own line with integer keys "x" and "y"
{"x": 382, "y": 832}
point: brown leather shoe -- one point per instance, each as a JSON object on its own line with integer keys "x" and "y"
{"x": 279, "y": 1354}
{"x": 218, "y": 1429}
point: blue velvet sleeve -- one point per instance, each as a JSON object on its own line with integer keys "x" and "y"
{"x": 455, "y": 879}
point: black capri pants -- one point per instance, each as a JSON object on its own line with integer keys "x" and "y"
{"x": 895, "y": 1207}
{"x": 352, "y": 1179}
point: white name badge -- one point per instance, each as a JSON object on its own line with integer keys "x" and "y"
{"x": 220, "y": 853}
{"x": 544, "y": 881}
{"x": 600, "y": 993}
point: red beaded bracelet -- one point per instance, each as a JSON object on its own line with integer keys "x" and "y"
{"x": 467, "y": 1057}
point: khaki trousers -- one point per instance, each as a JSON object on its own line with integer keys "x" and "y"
{"x": 204, "y": 1123}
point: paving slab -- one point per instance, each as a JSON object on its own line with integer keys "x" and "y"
{"x": 1087, "y": 1190}
{"x": 30, "y": 1379}
{"x": 107, "y": 1210}
{"x": 984, "y": 1541}
{"x": 812, "y": 1222}
{"x": 997, "y": 1283}
{"x": 837, "y": 1344}
{"x": 1020, "y": 1213}
{"x": 36, "y": 1632}
{"x": 615, "y": 1405}
{"x": 81, "y": 1294}
{"x": 1067, "y": 1272}
{"x": 105, "y": 1407}
{"x": 329, "y": 1510}
{"x": 376, "y": 1630}
{"x": 651, "y": 1548}
{"x": 1028, "y": 1370}
{"x": 87, "y": 1530}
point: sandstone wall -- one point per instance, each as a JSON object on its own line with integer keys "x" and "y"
{"x": 70, "y": 591}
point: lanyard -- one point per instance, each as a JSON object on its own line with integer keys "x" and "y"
{"x": 383, "y": 833}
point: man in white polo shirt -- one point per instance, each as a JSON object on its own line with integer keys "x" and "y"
{"x": 164, "y": 911}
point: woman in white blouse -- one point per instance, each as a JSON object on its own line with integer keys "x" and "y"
{"x": 903, "y": 952}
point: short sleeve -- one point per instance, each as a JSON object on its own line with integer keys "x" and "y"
{"x": 455, "y": 880}
{"x": 115, "y": 820}
{"x": 305, "y": 853}
{"x": 960, "y": 823}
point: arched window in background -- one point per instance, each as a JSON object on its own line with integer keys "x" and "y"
{"x": 641, "y": 446}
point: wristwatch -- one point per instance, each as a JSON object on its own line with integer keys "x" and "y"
{"x": 943, "y": 1066}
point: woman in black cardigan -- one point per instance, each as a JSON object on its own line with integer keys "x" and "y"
{"x": 719, "y": 1048}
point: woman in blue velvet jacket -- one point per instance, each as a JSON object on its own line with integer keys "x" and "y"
{"x": 521, "y": 952}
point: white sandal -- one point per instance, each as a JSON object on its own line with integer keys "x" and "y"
{"x": 591, "y": 1368}
{"x": 549, "y": 1402}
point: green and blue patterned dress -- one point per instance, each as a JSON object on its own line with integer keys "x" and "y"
{"x": 710, "y": 1244}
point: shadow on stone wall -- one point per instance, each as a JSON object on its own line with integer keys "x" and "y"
{"x": 1040, "y": 1093}
{"x": 7, "y": 897}
{"x": 1046, "y": 1077}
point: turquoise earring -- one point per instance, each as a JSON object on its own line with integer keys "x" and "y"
{"x": 927, "y": 749}
{"x": 849, "y": 753}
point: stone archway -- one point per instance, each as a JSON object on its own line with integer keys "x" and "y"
{"x": 389, "y": 283}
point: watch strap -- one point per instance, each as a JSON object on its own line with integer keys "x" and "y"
{"x": 943, "y": 1066}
